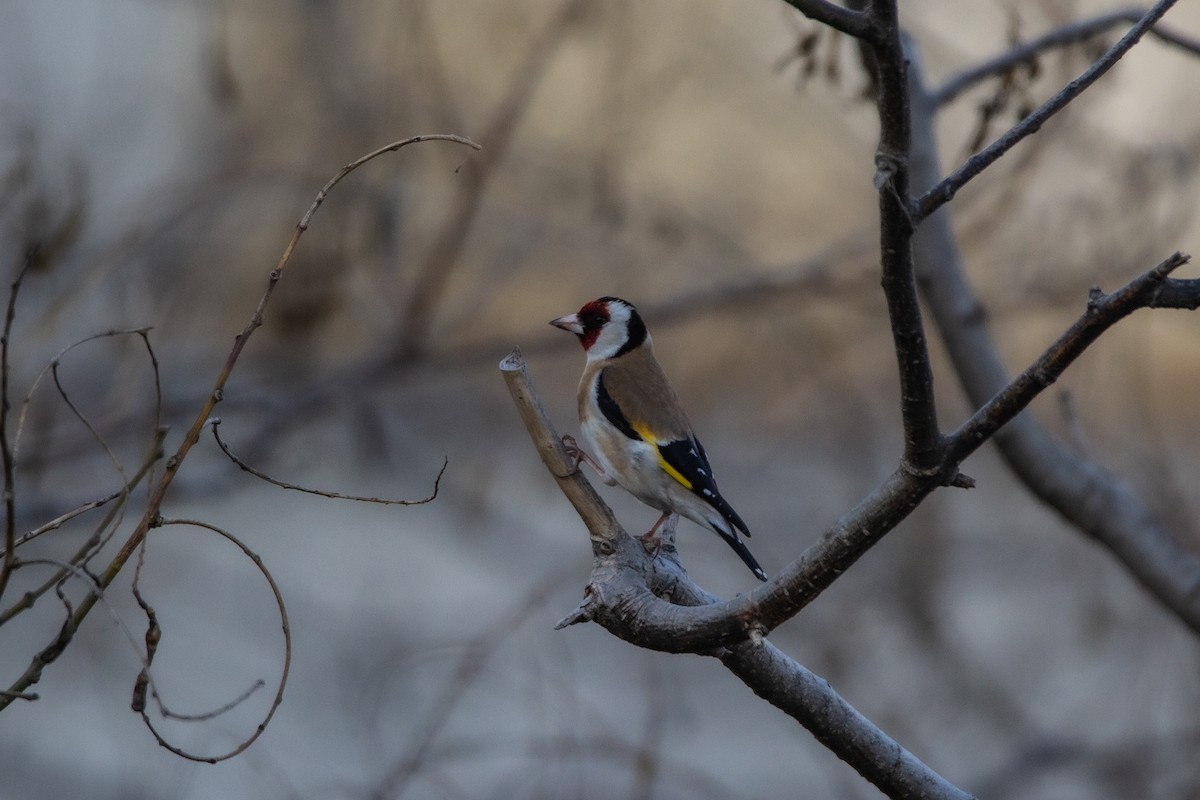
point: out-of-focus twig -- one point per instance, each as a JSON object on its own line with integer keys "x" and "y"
{"x": 153, "y": 633}
{"x": 152, "y": 513}
{"x": 949, "y": 186}
{"x": 6, "y": 449}
{"x": 1061, "y": 36}
{"x": 439, "y": 263}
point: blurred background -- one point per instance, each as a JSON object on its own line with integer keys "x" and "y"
{"x": 711, "y": 162}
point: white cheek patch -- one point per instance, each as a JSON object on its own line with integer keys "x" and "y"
{"x": 611, "y": 339}
{"x": 613, "y": 335}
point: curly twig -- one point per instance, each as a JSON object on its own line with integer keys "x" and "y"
{"x": 153, "y": 633}
{"x": 437, "y": 481}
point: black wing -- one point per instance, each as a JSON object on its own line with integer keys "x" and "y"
{"x": 688, "y": 459}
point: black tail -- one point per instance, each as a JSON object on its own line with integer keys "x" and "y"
{"x": 744, "y": 553}
{"x": 735, "y": 523}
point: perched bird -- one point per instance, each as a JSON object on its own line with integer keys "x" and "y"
{"x": 632, "y": 421}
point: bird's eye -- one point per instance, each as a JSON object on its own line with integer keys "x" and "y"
{"x": 593, "y": 319}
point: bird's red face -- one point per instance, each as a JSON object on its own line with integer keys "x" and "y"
{"x": 587, "y": 322}
{"x": 607, "y": 328}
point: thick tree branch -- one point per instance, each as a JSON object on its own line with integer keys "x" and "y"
{"x": 887, "y": 62}
{"x": 945, "y": 189}
{"x": 1090, "y": 498}
{"x": 621, "y": 596}
{"x": 1103, "y": 311}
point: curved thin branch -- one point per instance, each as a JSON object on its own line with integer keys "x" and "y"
{"x": 84, "y": 552}
{"x": 940, "y": 194}
{"x": 437, "y": 481}
{"x": 143, "y": 681}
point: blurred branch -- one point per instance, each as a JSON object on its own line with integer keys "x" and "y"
{"x": 1095, "y": 501}
{"x": 425, "y": 296}
{"x": 6, "y": 449}
{"x": 1061, "y": 36}
{"x": 470, "y": 665}
{"x": 945, "y": 189}
{"x": 852, "y": 23}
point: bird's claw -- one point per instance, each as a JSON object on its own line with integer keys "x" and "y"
{"x": 652, "y": 543}
{"x": 574, "y": 456}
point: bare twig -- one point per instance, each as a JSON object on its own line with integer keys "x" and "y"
{"x": 84, "y": 552}
{"x": 602, "y": 525}
{"x": 1062, "y": 36}
{"x": 1103, "y": 311}
{"x": 470, "y": 665}
{"x": 152, "y": 636}
{"x": 437, "y": 481}
{"x": 424, "y": 298}
{"x": 154, "y": 502}
{"x": 949, "y": 186}
{"x": 6, "y": 449}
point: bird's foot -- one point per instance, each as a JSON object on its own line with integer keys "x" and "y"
{"x": 577, "y": 456}
{"x": 652, "y": 540}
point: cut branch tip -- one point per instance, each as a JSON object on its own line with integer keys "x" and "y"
{"x": 962, "y": 481}
{"x": 581, "y": 613}
{"x": 513, "y": 362}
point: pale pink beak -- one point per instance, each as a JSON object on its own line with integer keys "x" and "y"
{"x": 569, "y": 323}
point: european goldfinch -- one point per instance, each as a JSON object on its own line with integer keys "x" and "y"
{"x": 632, "y": 420}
